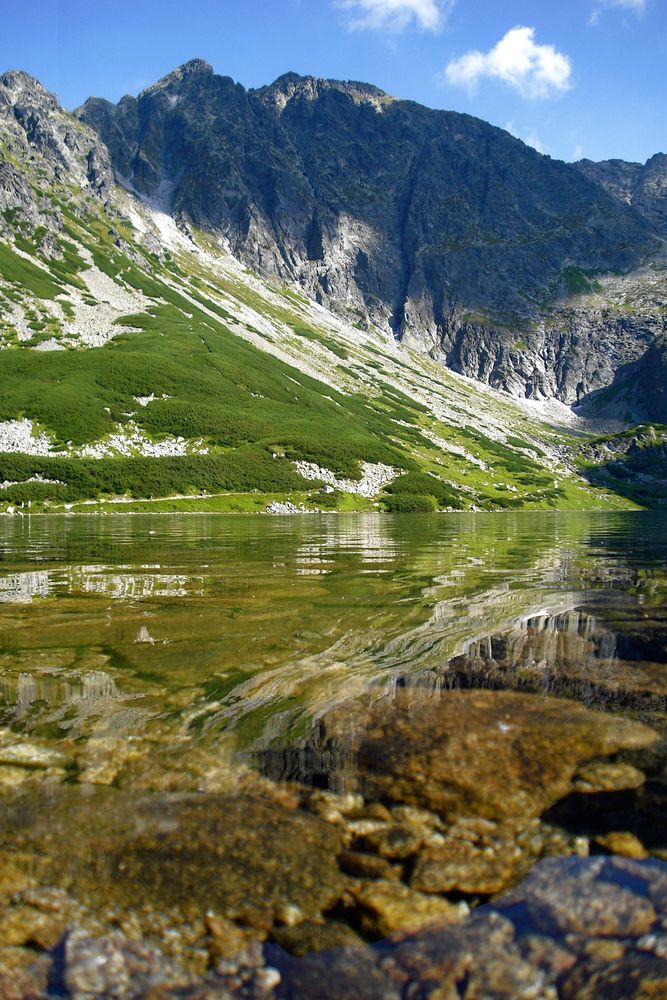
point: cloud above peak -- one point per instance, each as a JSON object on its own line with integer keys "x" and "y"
{"x": 635, "y": 6}
{"x": 533, "y": 70}
{"x": 396, "y": 15}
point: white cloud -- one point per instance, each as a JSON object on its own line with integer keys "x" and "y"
{"x": 531, "y": 69}
{"x": 395, "y": 15}
{"x": 636, "y": 6}
{"x": 531, "y": 138}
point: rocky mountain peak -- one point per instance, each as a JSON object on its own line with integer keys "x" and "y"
{"x": 18, "y": 88}
{"x": 192, "y": 68}
{"x": 291, "y": 86}
{"x": 642, "y": 185}
{"x": 34, "y": 126}
{"x": 434, "y": 227}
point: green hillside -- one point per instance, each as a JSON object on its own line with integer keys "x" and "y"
{"x": 143, "y": 363}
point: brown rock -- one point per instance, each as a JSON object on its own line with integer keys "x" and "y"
{"x": 385, "y": 907}
{"x": 394, "y": 841}
{"x": 622, "y": 842}
{"x": 23, "y": 925}
{"x": 447, "y": 754}
{"x": 601, "y": 777}
{"x": 547, "y": 953}
{"x": 226, "y": 938}
{"x": 375, "y": 810}
{"x": 22, "y": 984}
{"x": 363, "y": 865}
{"x": 604, "y": 949}
{"x": 420, "y": 818}
{"x": 461, "y": 866}
{"x": 239, "y": 857}
{"x": 311, "y": 936}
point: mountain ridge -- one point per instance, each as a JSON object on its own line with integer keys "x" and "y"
{"x": 143, "y": 359}
{"x": 434, "y": 226}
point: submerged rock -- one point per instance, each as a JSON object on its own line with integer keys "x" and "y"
{"x": 239, "y": 857}
{"x": 601, "y": 777}
{"x": 482, "y": 753}
{"x": 388, "y": 906}
{"x": 31, "y": 755}
{"x": 554, "y": 937}
{"x": 461, "y": 866}
{"x": 575, "y": 929}
{"x": 585, "y": 896}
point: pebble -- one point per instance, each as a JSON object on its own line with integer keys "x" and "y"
{"x": 623, "y": 843}
{"x": 603, "y": 777}
{"x": 31, "y": 755}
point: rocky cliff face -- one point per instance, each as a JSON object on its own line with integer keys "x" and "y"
{"x": 34, "y": 129}
{"x": 638, "y": 391}
{"x": 449, "y": 232}
{"x": 642, "y": 185}
{"x": 567, "y": 355}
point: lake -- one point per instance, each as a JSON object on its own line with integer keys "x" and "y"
{"x": 321, "y": 729}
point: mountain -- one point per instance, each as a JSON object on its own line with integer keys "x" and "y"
{"x": 226, "y": 299}
{"x": 642, "y": 185}
{"x": 435, "y": 227}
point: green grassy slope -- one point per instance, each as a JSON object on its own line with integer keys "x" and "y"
{"x": 234, "y": 380}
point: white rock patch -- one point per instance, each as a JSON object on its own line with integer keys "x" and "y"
{"x": 20, "y": 436}
{"x": 455, "y": 449}
{"x": 375, "y": 476}
{"x": 94, "y": 326}
{"x": 131, "y": 440}
{"x": 287, "y": 507}
{"x": 33, "y": 479}
{"x": 49, "y": 345}
{"x": 145, "y": 400}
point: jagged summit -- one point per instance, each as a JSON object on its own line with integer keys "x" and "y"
{"x": 291, "y": 85}
{"x": 17, "y": 85}
{"x": 642, "y": 185}
{"x": 194, "y": 67}
{"x": 435, "y": 227}
{"x": 33, "y": 124}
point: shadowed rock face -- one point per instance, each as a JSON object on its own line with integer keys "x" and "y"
{"x": 638, "y": 390}
{"x": 642, "y": 185}
{"x": 435, "y": 225}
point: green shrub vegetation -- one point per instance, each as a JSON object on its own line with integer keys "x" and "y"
{"x": 245, "y": 469}
{"x": 409, "y": 503}
{"x": 424, "y": 484}
{"x": 578, "y": 281}
{"x": 219, "y": 388}
{"x": 25, "y": 274}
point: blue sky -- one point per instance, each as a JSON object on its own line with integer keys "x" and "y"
{"x": 572, "y": 77}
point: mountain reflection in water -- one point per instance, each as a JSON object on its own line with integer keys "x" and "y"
{"x": 241, "y": 635}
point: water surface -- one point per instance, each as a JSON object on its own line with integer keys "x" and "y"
{"x": 317, "y": 731}
{"x": 241, "y": 632}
